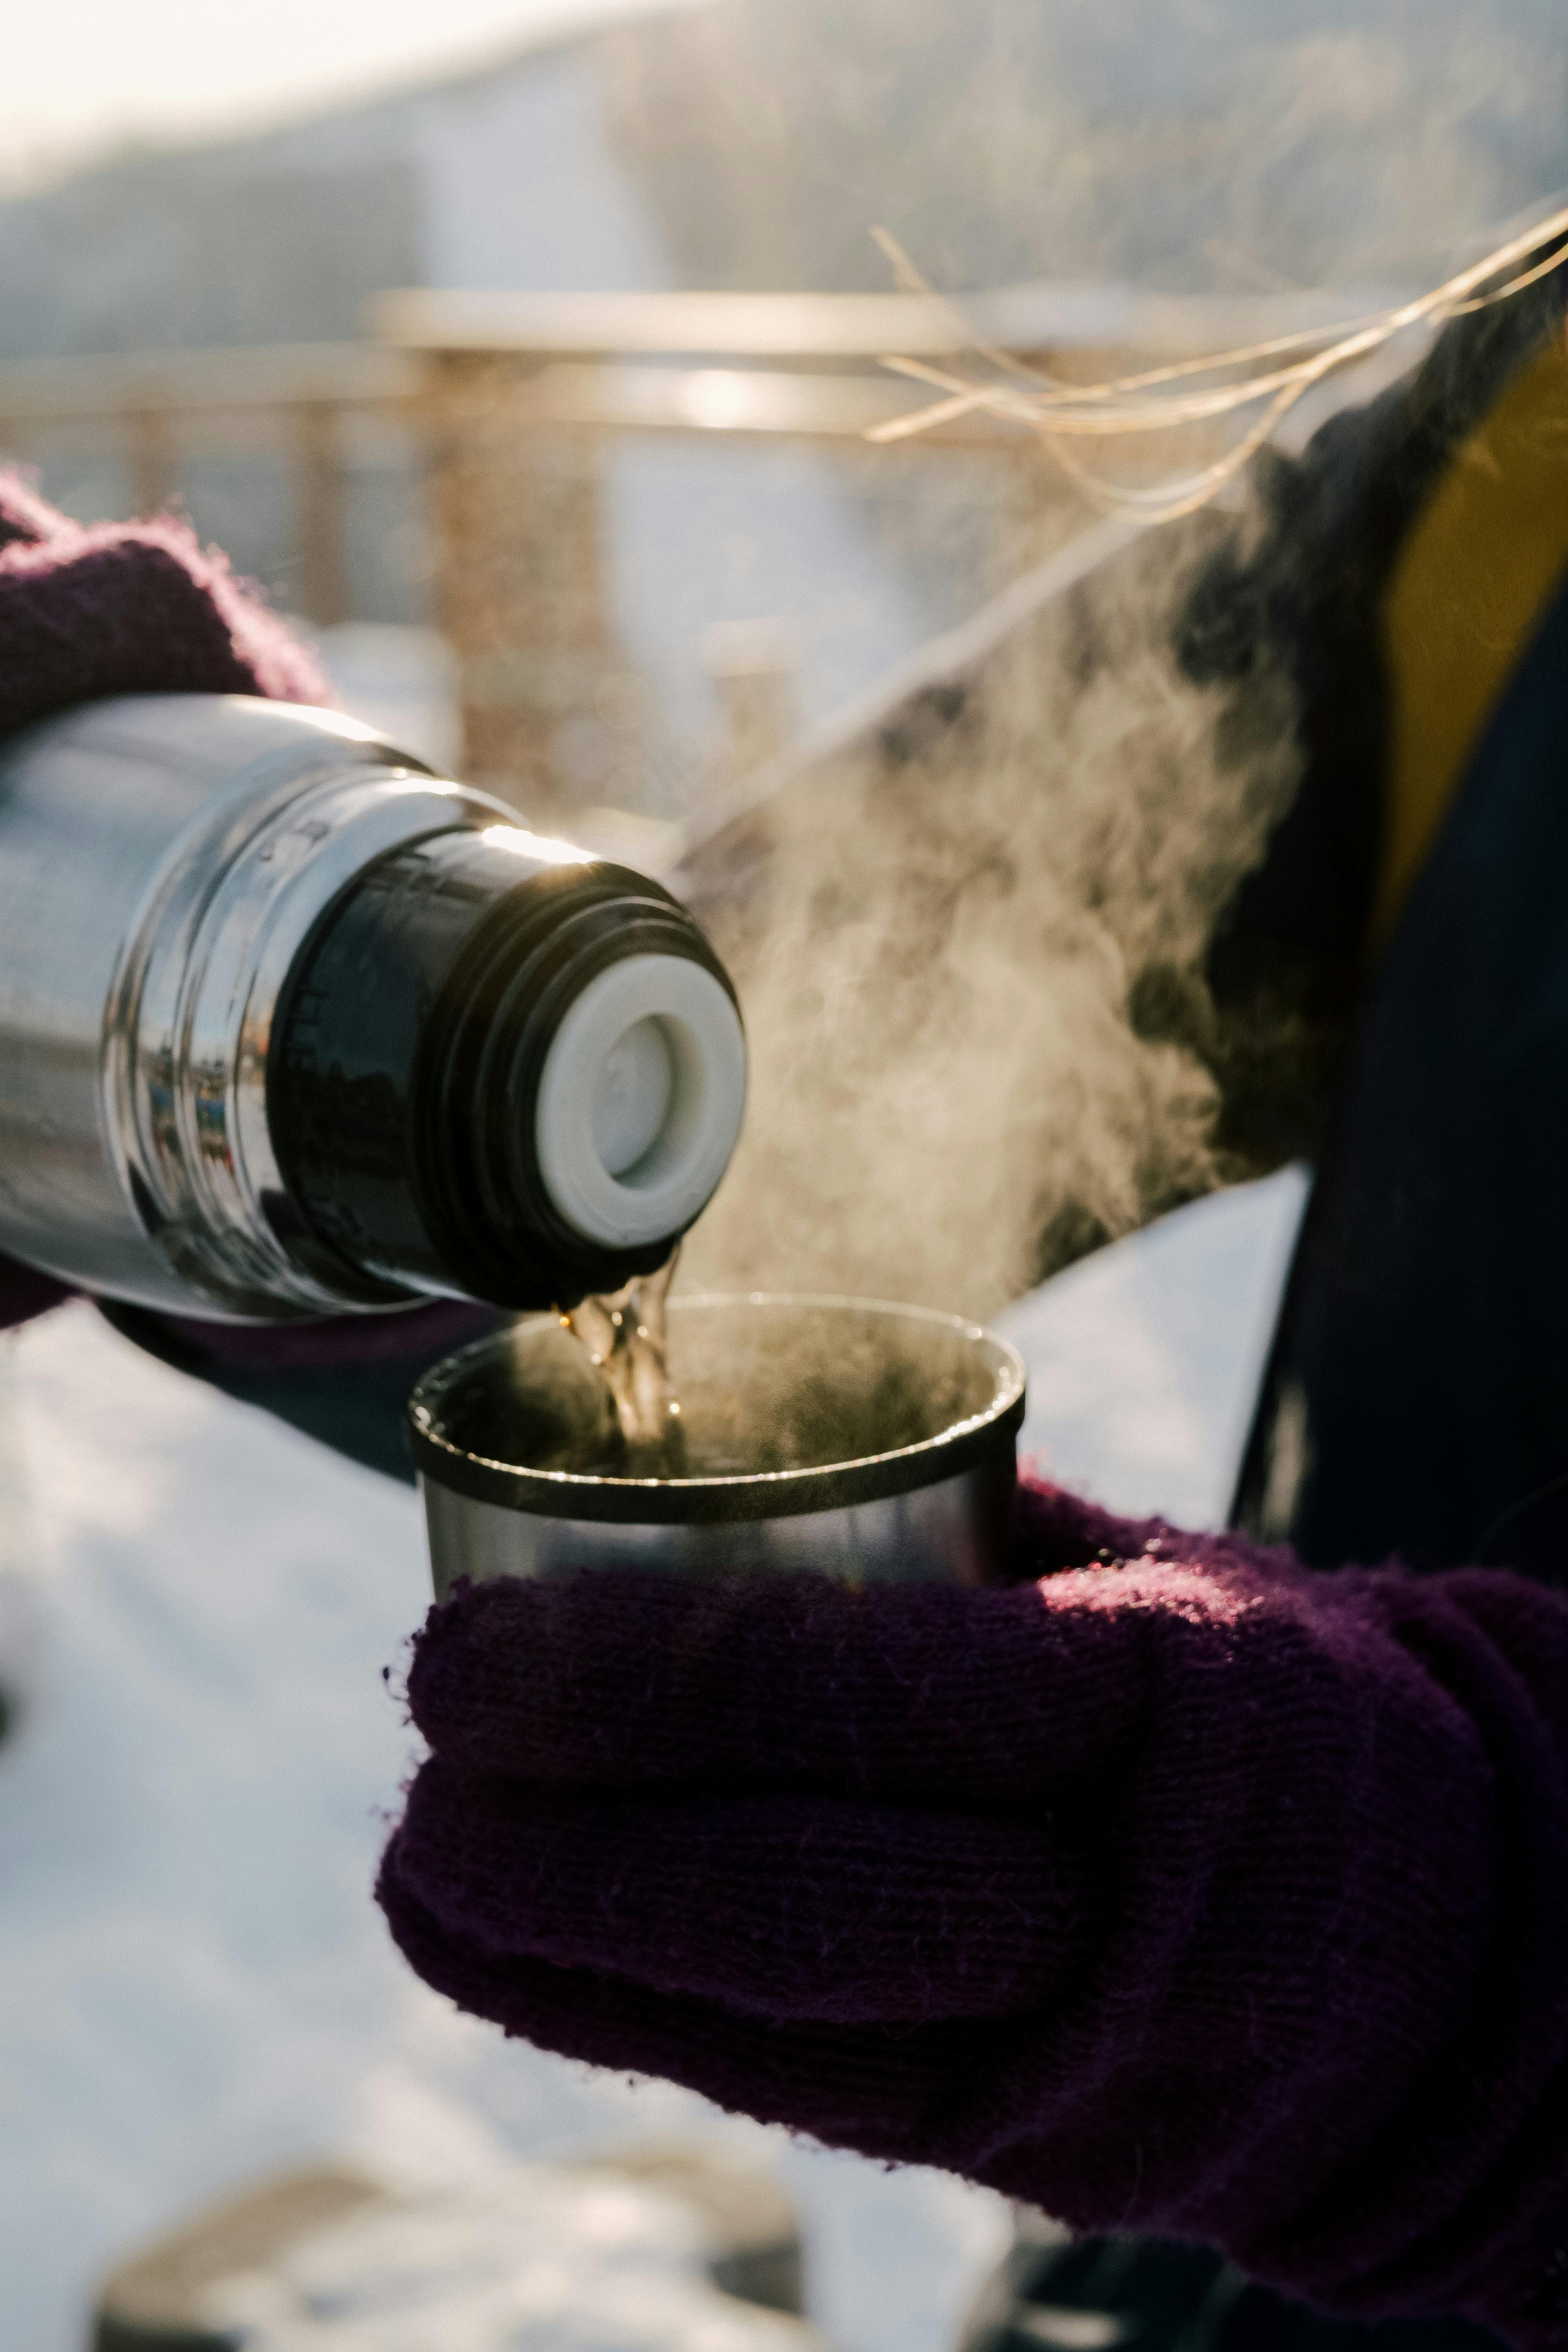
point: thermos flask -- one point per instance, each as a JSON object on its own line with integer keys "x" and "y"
{"x": 290, "y": 1026}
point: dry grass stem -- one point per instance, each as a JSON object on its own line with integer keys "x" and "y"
{"x": 1271, "y": 377}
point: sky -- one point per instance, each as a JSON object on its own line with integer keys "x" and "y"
{"x": 84, "y": 75}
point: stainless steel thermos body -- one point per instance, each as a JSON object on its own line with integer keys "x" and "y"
{"x": 290, "y": 1026}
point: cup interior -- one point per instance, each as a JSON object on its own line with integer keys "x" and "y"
{"x": 766, "y": 1386}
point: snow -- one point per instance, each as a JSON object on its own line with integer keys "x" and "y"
{"x": 197, "y": 1608}
{"x": 1144, "y": 1361}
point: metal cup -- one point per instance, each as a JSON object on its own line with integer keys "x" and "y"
{"x": 862, "y": 1440}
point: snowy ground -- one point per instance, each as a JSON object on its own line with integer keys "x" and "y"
{"x": 197, "y": 1986}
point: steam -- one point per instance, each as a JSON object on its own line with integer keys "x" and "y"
{"x": 939, "y": 937}
{"x": 948, "y": 935}
{"x": 1247, "y": 146}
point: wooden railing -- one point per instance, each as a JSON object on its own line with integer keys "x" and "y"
{"x": 502, "y": 404}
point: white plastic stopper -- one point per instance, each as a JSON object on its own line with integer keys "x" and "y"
{"x": 640, "y": 1101}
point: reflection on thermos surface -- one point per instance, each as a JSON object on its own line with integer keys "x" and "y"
{"x": 289, "y": 1026}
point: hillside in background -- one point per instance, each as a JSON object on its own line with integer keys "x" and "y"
{"x": 1234, "y": 145}
{"x": 1241, "y": 144}
{"x": 503, "y": 177}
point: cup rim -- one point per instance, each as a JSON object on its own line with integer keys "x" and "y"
{"x": 737, "y": 1495}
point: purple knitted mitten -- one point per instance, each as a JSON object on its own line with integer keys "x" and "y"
{"x": 122, "y": 608}
{"x": 1180, "y": 1890}
{"x": 128, "y": 608}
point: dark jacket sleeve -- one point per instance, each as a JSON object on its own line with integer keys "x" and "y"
{"x": 1416, "y": 568}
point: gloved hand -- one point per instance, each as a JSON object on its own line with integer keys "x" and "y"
{"x": 1183, "y": 1890}
{"x": 122, "y": 608}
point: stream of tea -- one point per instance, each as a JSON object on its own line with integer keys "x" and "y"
{"x": 815, "y": 1392}
{"x": 626, "y": 1335}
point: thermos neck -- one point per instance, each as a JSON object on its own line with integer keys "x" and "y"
{"x": 503, "y": 1070}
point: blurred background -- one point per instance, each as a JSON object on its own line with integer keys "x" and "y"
{"x": 392, "y": 308}
{"x": 524, "y": 355}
